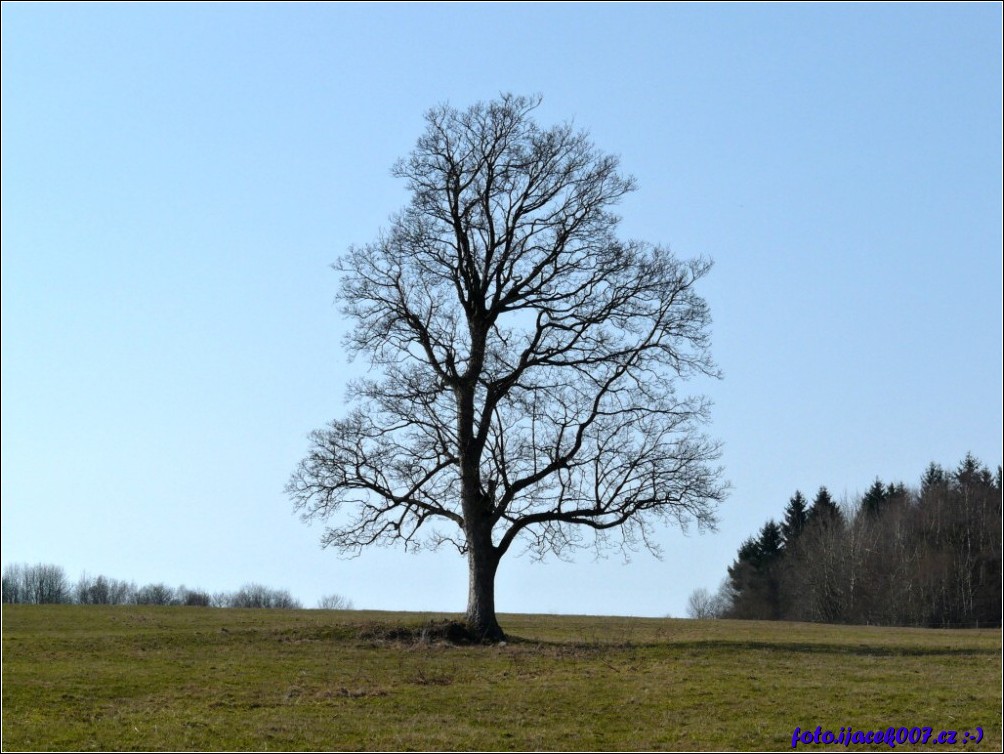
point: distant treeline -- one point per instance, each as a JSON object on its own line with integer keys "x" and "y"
{"x": 897, "y": 556}
{"x": 47, "y": 584}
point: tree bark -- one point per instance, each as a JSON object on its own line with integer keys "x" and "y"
{"x": 482, "y": 562}
{"x": 482, "y": 555}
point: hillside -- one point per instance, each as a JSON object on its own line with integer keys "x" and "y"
{"x": 114, "y": 678}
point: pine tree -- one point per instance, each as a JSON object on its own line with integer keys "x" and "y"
{"x": 754, "y": 575}
{"x": 874, "y": 499}
{"x": 969, "y": 472}
{"x": 824, "y": 511}
{"x": 933, "y": 478}
{"x": 795, "y": 517}
{"x": 770, "y": 543}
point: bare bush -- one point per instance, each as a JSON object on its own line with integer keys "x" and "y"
{"x": 193, "y": 597}
{"x": 156, "y": 594}
{"x": 259, "y": 596}
{"x": 334, "y": 602}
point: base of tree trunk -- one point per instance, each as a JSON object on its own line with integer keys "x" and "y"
{"x": 485, "y": 631}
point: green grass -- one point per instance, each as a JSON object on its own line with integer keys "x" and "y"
{"x": 149, "y": 678}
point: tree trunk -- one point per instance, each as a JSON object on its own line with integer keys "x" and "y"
{"x": 482, "y": 563}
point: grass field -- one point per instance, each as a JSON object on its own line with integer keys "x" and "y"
{"x": 116, "y": 678}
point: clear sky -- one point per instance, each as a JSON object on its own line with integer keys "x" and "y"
{"x": 176, "y": 180}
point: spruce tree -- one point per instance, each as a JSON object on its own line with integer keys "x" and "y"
{"x": 754, "y": 575}
{"x": 933, "y": 478}
{"x": 824, "y": 511}
{"x": 795, "y": 517}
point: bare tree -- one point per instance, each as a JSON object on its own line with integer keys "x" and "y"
{"x": 156, "y": 594}
{"x": 703, "y": 605}
{"x": 334, "y": 602}
{"x": 260, "y": 596}
{"x": 527, "y": 361}
{"x": 14, "y": 584}
{"x": 193, "y": 597}
{"x": 38, "y": 584}
{"x": 104, "y": 591}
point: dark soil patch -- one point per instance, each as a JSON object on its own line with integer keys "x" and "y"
{"x": 434, "y": 632}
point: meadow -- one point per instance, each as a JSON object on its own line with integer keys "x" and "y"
{"x": 176, "y": 678}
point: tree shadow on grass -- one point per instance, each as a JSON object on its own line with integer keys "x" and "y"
{"x": 456, "y": 633}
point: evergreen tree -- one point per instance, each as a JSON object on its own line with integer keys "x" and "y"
{"x": 894, "y": 491}
{"x": 933, "y": 478}
{"x": 754, "y": 575}
{"x": 771, "y": 543}
{"x": 824, "y": 511}
{"x": 930, "y": 556}
{"x": 742, "y": 575}
{"x": 795, "y": 517}
{"x": 970, "y": 473}
{"x": 874, "y": 499}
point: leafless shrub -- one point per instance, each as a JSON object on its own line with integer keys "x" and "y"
{"x": 259, "y": 596}
{"x": 334, "y": 602}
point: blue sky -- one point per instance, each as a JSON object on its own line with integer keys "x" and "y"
{"x": 177, "y": 179}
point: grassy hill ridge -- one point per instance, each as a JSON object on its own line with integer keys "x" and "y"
{"x": 161, "y": 678}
